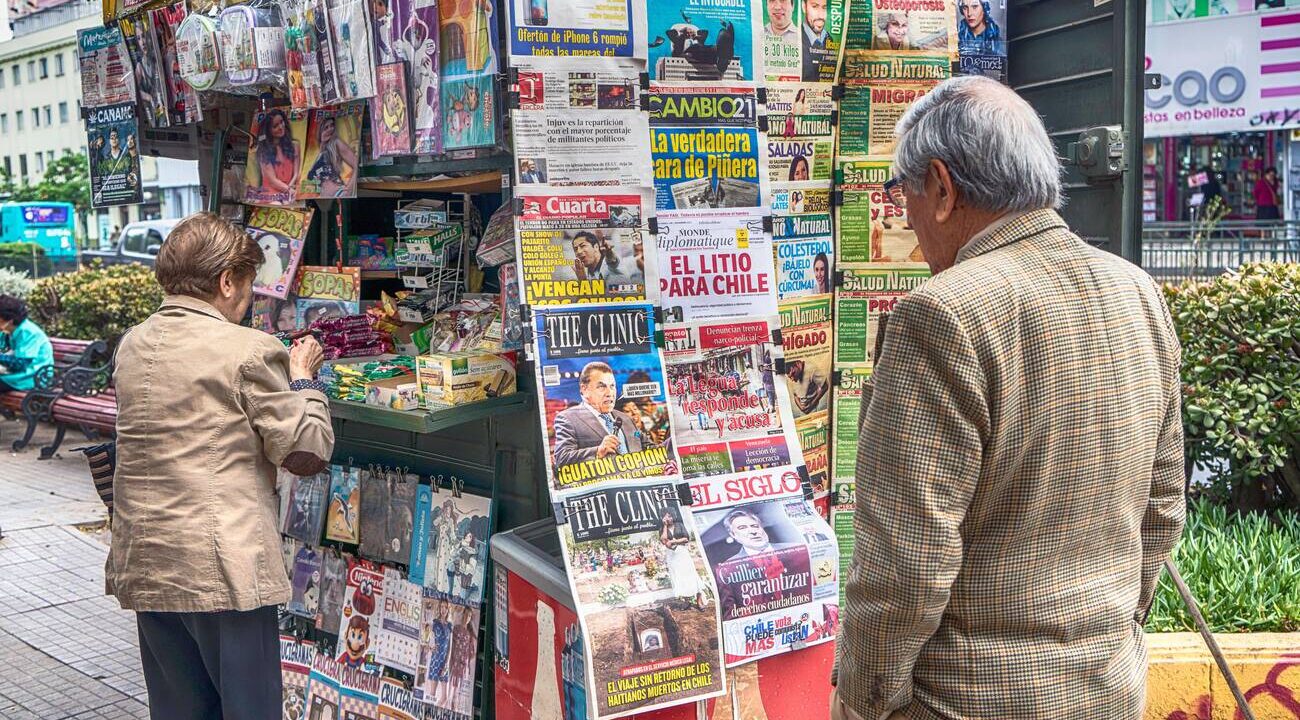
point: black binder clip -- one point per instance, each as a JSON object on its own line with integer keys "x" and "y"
{"x": 653, "y": 226}
{"x": 684, "y": 496}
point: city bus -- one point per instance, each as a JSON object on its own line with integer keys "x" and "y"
{"x": 48, "y": 224}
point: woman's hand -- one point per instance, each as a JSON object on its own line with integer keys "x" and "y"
{"x": 305, "y": 358}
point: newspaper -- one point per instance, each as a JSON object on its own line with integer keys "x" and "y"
{"x": 706, "y": 168}
{"x": 982, "y": 38}
{"x": 648, "y": 607}
{"x": 807, "y": 334}
{"x": 113, "y": 153}
{"x": 611, "y": 28}
{"x": 805, "y": 254}
{"x": 803, "y": 198}
{"x": 774, "y": 559}
{"x": 802, "y": 39}
{"x": 593, "y": 147}
{"x": 702, "y": 105}
{"x": 851, "y": 393}
{"x": 106, "y": 77}
{"x": 871, "y": 228}
{"x": 884, "y": 67}
{"x": 729, "y": 412}
{"x": 703, "y": 40}
{"x": 868, "y": 291}
{"x": 714, "y": 263}
{"x": 870, "y": 111}
{"x": 893, "y": 28}
{"x": 814, "y": 433}
{"x": 602, "y": 385}
{"x": 592, "y": 83}
{"x": 581, "y": 246}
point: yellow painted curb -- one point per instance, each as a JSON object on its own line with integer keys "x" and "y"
{"x": 1183, "y": 683}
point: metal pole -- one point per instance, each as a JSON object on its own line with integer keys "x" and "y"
{"x": 1208, "y": 636}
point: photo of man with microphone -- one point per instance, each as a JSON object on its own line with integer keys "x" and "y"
{"x": 593, "y": 429}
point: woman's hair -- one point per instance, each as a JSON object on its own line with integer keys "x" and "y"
{"x": 199, "y": 249}
{"x": 266, "y": 146}
{"x": 795, "y": 163}
{"x": 13, "y": 309}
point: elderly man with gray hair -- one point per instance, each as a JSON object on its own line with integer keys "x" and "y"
{"x": 1020, "y": 470}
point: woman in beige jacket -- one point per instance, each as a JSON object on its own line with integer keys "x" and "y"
{"x": 207, "y": 410}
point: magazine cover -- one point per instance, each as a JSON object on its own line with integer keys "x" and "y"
{"x": 602, "y": 386}
{"x": 903, "y": 27}
{"x": 358, "y": 693}
{"x": 288, "y": 551}
{"x": 800, "y": 121}
{"x": 343, "y": 507}
{"x": 302, "y": 55}
{"x": 296, "y": 659}
{"x": 400, "y": 517}
{"x": 468, "y": 75}
{"x": 648, "y": 609}
{"x": 587, "y": 29}
{"x": 106, "y": 77}
{"x": 150, "y": 85}
{"x": 113, "y": 155}
{"x": 390, "y": 115}
{"x": 982, "y": 38}
{"x": 814, "y": 433}
{"x": 329, "y": 163}
{"x": 448, "y": 655}
{"x": 184, "y": 108}
{"x": 802, "y": 39}
{"x": 715, "y": 263}
{"x": 326, "y": 292}
{"x": 454, "y": 535}
{"x": 884, "y": 67}
{"x": 706, "y": 168}
{"x": 374, "y": 504}
{"x": 280, "y": 232}
{"x": 590, "y": 148}
{"x": 323, "y": 688}
{"x": 729, "y": 413}
{"x": 305, "y": 582}
{"x": 397, "y": 702}
{"x": 870, "y": 111}
{"x": 582, "y": 247}
{"x": 359, "y": 618}
{"x": 353, "y": 49}
{"x": 333, "y": 588}
{"x": 807, "y": 333}
{"x": 588, "y": 83}
{"x": 867, "y": 292}
{"x": 871, "y": 228}
{"x": 774, "y": 559}
{"x": 805, "y": 255}
{"x": 703, "y": 105}
{"x": 274, "y": 315}
{"x": 702, "y": 40}
{"x": 275, "y": 153}
{"x": 397, "y": 642}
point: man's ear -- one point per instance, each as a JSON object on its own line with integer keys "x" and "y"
{"x": 946, "y": 190}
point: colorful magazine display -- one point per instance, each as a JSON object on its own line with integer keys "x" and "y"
{"x": 280, "y": 232}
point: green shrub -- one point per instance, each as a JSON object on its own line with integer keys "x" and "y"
{"x": 1241, "y": 381}
{"x": 1243, "y": 569}
{"x": 15, "y": 283}
{"x": 95, "y": 303}
{"x": 26, "y": 257}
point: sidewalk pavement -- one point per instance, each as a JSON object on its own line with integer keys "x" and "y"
{"x": 68, "y": 650}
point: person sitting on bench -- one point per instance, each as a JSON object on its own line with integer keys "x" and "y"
{"x": 24, "y": 349}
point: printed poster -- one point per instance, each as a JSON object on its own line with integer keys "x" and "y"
{"x": 113, "y": 150}
{"x": 329, "y": 163}
{"x": 774, "y": 559}
{"x": 982, "y": 38}
{"x": 589, "y": 83}
{"x": 903, "y": 28}
{"x": 867, "y": 292}
{"x": 449, "y": 650}
{"x": 649, "y": 610}
{"x": 390, "y": 115}
{"x": 703, "y": 40}
{"x": 869, "y": 113}
{"x": 360, "y": 616}
{"x": 714, "y": 263}
{"x": 468, "y": 71}
{"x": 590, "y": 148}
{"x": 729, "y": 412}
{"x": 871, "y": 228}
{"x": 702, "y": 105}
{"x": 807, "y": 335}
{"x": 577, "y": 28}
{"x": 706, "y": 168}
{"x": 276, "y": 142}
{"x": 802, "y": 39}
{"x": 582, "y": 247}
{"x": 280, "y": 232}
{"x": 106, "y": 77}
{"x": 605, "y": 414}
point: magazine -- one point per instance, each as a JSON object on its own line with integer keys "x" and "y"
{"x": 184, "y": 101}
{"x": 582, "y": 246}
{"x": 814, "y": 433}
{"x": 448, "y": 656}
{"x": 397, "y": 702}
{"x": 587, "y": 29}
{"x": 452, "y": 534}
{"x": 982, "y": 38}
{"x": 280, "y": 232}
{"x": 807, "y": 334}
{"x": 106, "y": 77}
{"x": 870, "y": 111}
{"x": 150, "y": 85}
{"x": 360, "y": 615}
{"x": 893, "y": 28}
{"x": 397, "y": 639}
{"x": 390, "y": 114}
{"x": 275, "y": 151}
{"x": 867, "y": 292}
{"x": 715, "y": 263}
{"x": 604, "y": 411}
{"x": 774, "y": 559}
{"x": 800, "y": 123}
{"x": 649, "y": 610}
{"x": 729, "y": 413}
{"x": 343, "y": 506}
{"x": 329, "y": 163}
{"x": 353, "y": 49}
{"x": 333, "y": 588}
{"x": 702, "y": 40}
{"x": 589, "y": 83}
{"x": 591, "y": 148}
{"x": 871, "y": 228}
{"x": 305, "y": 582}
{"x": 113, "y": 155}
{"x": 706, "y": 149}
{"x": 374, "y": 507}
{"x": 323, "y": 688}
{"x": 358, "y": 693}
{"x": 886, "y": 67}
{"x": 805, "y": 255}
{"x": 296, "y": 659}
{"x": 802, "y": 39}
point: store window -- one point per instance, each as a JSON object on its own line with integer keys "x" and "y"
{"x": 36, "y": 117}
{"x": 2, "y": 79}
{"x": 1236, "y": 161}
{"x": 49, "y": 157}
{"x": 9, "y": 166}
{"x": 4, "y": 122}
{"x": 63, "y": 113}
{"x": 58, "y": 65}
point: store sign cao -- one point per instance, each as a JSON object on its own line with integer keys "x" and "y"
{"x": 1192, "y": 88}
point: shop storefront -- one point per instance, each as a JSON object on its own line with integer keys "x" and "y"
{"x": 1237, "y": 160}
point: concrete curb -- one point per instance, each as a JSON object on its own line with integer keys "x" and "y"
{"x": 1183, "y": 682}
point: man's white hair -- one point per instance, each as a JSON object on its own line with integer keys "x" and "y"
{"x": 993, "y": 143}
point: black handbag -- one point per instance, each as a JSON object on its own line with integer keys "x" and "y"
{"x": 102, "y": 459}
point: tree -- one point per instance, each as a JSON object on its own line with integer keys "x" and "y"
{"x": 67, "y": 179}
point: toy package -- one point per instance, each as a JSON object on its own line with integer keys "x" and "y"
{"x": 252, "y": 46}
{"x": 302, "y": 62}
{"x": 390, "y": 115}
{"x": 184, "y": 100}
{"x": 353, "y": 49}
{"x": 198, "y": 54}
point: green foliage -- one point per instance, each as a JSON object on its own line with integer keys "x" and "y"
{"x": 96, "y": 303}
{"x": 67, "y": 179}
{"x": 26, "y": 257}
{"x": 1241, "y": 380}
{"x": 15, "y": 283}
{"x": 1243, "y": 569}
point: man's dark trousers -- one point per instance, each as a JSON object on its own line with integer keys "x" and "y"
{"x": 211, "y": 666}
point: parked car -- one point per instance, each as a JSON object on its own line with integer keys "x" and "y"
{"x": 138, "y": 242}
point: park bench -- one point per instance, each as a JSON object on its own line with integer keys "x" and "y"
{"x": 74, "y": 391}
